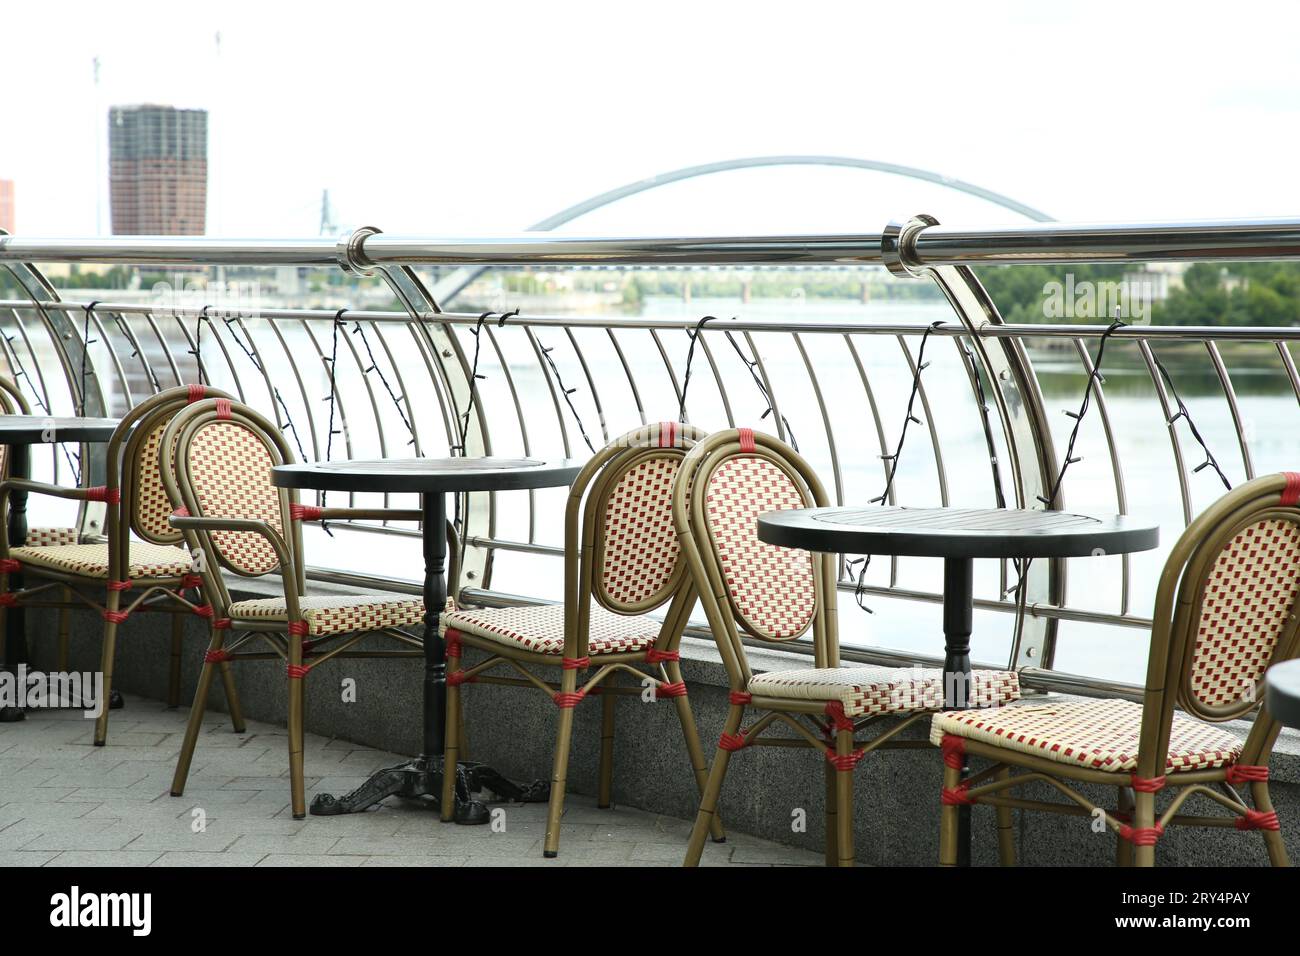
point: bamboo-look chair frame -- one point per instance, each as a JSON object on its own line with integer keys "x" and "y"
{"x": 287, "y": 640}
{"x": 584, "y": 536}
{"x": 1179, "y": 600}
{"x": 814, "y": 723}
{"x": 128, "y": 458}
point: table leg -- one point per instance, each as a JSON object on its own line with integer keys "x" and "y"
{"x": 15, "y": 618}
{"x": 958, "y": 608}
{"x": 423, "y": 775}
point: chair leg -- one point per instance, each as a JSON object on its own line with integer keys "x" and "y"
{"x": 694, "y": 751}
{"x": 949, "y": 820}
{"x": 197, "y": 707}
{"x": 1123, "y": 848}
{"x": 605, "y": 792}
{"x": 1006, "y": 828}
{"x": 232, "y": 698}
{"x": 107, "y": 656}
{"x": 844, "y": 800}
{"x": 559, "y": 770}
{"x": 712, "y": 789}
{"x": 1273, "y": 841}
{"x": 174, "y": 677}
{"x": 451, "y": 751}
{"x": 297, "y": 788}
{"x": 832, "y": 845}
{"x": 65, "y": 628}
{"x": 1144, "y": 818}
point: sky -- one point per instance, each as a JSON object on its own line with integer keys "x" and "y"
{"x": 475, "y": 118}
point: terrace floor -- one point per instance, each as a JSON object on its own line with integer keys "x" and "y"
{"x": 64, "y": 802}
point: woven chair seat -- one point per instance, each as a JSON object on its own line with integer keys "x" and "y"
{"x": 1097, "y": 734}
{"x": 50, "y": 537}
{"x": 335, "y": 614}
{"x": 91, "y": 560}
{"x": 540, "y": 628}
{"x": 868, "y": 690}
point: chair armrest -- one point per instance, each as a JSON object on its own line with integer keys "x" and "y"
{"x": 189, "y": 523}
{"x": 99, "y": 493}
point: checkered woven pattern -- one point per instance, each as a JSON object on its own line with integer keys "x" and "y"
{"x": 152, "y": 506}
{"x": 640, "y": 541}
{"x": 883, "y": 690}
{"x": 91, "y": 560}
{"x": 771, "y": 588}
{"x": 335, "y": 614}
{"x": 1100, "y": 734}
{"x": 1248, "y": 597}
{"x": 50, "y": 537}
{"x": 541, "y": 628}
{"x": 231, "y": 470}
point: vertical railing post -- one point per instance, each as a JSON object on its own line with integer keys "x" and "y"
{"x": 1019, "y": 401}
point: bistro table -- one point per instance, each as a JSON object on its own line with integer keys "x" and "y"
{"x": 432, "y": 479}
{"x": 958, "y": 535}
{"x": 20, "y": 432}
{"x": 1282, "y": 693}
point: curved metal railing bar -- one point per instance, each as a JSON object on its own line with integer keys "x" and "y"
{"x": 1230, "y": 395}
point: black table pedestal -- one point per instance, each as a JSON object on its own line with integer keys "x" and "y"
{"x": 958, "y": 611}
{"x": 422, "y": 777}
{"x": 15, "y": 618}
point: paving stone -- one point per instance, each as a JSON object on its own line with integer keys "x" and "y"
{"x": 208, "y": 859}
{"x": 81, "y": 858}
{"x": 280, "y": 859}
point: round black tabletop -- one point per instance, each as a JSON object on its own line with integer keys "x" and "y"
{"x": 956, "y": 532}
{"x": 1282, "y": 692}
{"x": 39, "y": 429}
{"x": 422, "y": 475}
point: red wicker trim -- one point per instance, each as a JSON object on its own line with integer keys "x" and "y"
{"x": 115, "y": 617}
{"x": 456, "y": 678}
{"x": 296, "y": 671}
{"x": 733, "y": 742}
{"x": 953, "y": 749}
{"x": 100, "y": 493}
{"x": 223, "y": 408}
{"x": 741, "y": 698}
{"x": 957, "y": 796}
{"x": 844, "y": 762}
{"x": 1147, "y": 784}
{"x": 835, "y": 711}
{"x": 203, "y": 610}
{"x": 1142, "y": 836}
{"x": 191, "y": 581}
{"x": 181, "y": 512}
{"x": 653, "y": 656}
{"x": 304, "y": 512}
{"x": 120, "y": 585}
{"x": 1257, "y": 820}
{"x": 667, "y": 434}
{"x": 8, "y": 599}
{"x": 299, "y": 628}
{"x": 575, "y": 663}
{"x": 746, "y": 437}
{"x": 671, "y": 690}
{"x": 10, "y": 565}
{"x": 565, "y": 701}
{"x": 1291, "y": 493}
{"x": 221, "y": 624}
{"x": 216, "y": 657}
{"x": 1246, "y": 773}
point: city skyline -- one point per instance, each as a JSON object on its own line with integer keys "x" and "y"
{"x": 158, "y": 170}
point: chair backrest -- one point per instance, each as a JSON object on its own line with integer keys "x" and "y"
{"x": 1225, "y": 612}
{"x": 223, "y": 453}
{"x": 749, "y": 587}
{"x": 12, "y": 402}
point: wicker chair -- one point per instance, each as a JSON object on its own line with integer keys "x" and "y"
{"x": 238, "y": 521}
{"x": 625, "y": 564}
{"x": 139, "y": 553}
{"x": 1225, "y": 611}
{"x": 755, "y": 590}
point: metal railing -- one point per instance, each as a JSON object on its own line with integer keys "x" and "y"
{"x": 405, "y": 377}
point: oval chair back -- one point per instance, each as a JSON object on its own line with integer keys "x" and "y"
{"x": 136, "y": 499}
{"x": 223, "y": 453}
{"x": 1225, "y": 612}
{"x": 629, "y": 560}
{"x": 750, "y": 588}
